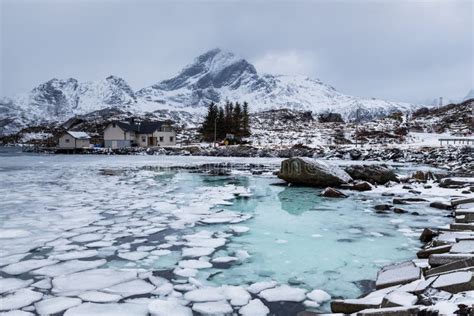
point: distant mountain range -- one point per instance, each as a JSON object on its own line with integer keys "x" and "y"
{"x": 214, "y": 76}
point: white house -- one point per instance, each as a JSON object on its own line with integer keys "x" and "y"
{"x": 71, "y": 140}
{"x": 141, "y": 134}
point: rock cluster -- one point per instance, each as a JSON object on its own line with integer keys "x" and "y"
{"x": 440, "y": 282}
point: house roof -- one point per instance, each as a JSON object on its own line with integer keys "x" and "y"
{"x": 79, "y": 135}
{"x": 145, "y": 127}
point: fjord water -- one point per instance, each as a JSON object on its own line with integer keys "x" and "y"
{"x": 295, "y": 236}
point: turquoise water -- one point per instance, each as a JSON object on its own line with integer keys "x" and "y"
{"x": 298, "y": 237}
{"x": 295, "y": 235}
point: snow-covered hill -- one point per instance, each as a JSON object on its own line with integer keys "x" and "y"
{"x": 214, "y": 76}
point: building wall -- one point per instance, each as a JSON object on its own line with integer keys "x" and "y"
{"x": 67, "y": 141}
{"x": 117, "y": 143}
{"x": 165, "y": 138}
{"x": 119, "y": 136}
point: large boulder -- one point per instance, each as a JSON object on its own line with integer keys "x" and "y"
{"x": 307, "y": 171}
{"x": 333, "y": 193}
{"x": 376, "y": 174}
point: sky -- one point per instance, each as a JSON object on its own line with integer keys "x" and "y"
{"x": 401, "y": 50}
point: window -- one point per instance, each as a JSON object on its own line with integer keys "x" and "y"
{"x": 67, "y": 140}
{"x": 171, "y": 139}
{"x": 161, "y": 138}
{"x": 143, "y": 139}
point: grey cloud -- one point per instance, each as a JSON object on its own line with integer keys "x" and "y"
{"x": 398, "y": 50}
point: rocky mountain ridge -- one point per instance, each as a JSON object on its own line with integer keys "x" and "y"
{"x": 215, "y": 76}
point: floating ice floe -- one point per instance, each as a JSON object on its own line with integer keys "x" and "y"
{"x": 99, "y": 297}
{"x": 319, "y": 296}
{"x": 13, "y": 284}
{"x": 91, "y": 280}
{"x": 205, "y": 294}
{"x": 168, "y": 308}
{"x": 75, "y": 255}
{"x": 110, "y": 309}
{"x": 185, "y": 272}
{"x": 257, "y": 287}
{"x": 13, "y": 233}
{"x": 87, "y": 237}
{"x": 130, "y": 288}
{"x": 56, "y": 305}
{"x": 133, "y": 256}
{"x": 194, "y": 264}
{"x": 237, "y": 295}
{"x": 19, "y": 299}
{"x": 225, "y": 259}
{"x": 197, "y": 252}
{"x": 283, "y": 293}
{"x": 254, "y": 308}
{"x": 69, "y": 267}
{"x": 213, "y": 308}
{"x": 27, "y": 265}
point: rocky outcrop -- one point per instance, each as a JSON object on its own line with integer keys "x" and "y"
{"x": 333, "y": 193}
{"x": 310, "y": 172}
{"x": 375, "y": 174}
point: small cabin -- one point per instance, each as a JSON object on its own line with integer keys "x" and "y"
{"x": 73, "y": 140}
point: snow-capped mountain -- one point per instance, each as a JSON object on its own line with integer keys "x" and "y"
{"x": 218, "y": 76}
{"x": 469, "y": 96}
{"x": 214, "y": 76}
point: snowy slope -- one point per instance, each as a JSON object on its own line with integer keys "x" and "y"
{"x": 214, "y": 76}
{"x": 218, "y": 76}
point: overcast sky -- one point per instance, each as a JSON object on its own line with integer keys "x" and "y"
{"x": 397, "y": 50}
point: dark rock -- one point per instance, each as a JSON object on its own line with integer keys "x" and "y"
{"x": 361, "y": 186}
{"x": 382, "y": 207}
{"x": 399, "y": 210}
{"x": 372, "y": 173}
{"x": 428, "y": 234}
{"x": 305, "y": 171}
{"x": 399, "y": 201}
{"x": 425, "y": 253}
{"x": 441, "y": 205}
{"x": 415, "y": 213}
{"x": 333, "y": 193}
{"x": 454, "y": 183}
{"x": 407, "y": 187}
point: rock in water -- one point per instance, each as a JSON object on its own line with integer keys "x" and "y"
{"x": 361, "y": 186}
{"x": 330, "y": 192}
{"x": 372, "y": 173}
{"x": 306, "y": 171}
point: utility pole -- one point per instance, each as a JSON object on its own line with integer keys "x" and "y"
{"x": 215, "y": 132}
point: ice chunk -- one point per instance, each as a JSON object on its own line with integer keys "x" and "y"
{"x": 19, "y": 299}
{"x": 401, "y": 298}
{"x": 197, "y": 251}
{"x": 13, "y": 233}
{"x": 27, "y": 265}
{"x": 213, "y": 308}
{"x": 56, "y": 305}
{"x": 130, "y": 288}
{"x": 225, "y": 259}
{"x": 75, "y": 255}
{"x": 13, "y": 284}
{"x": 194, "y": 264}
{"x": 257, "y": 287}
{"x": 17, "y": 313}
{"x": 99, "y": 297}
{"x": 319, "y": 296}
{"x": 133, "y": 256}
{"x": 168, "y": 308}
{"x": 87, "y": 237}
{"x": 205, "y": 294}
{"x": 69, "y": 267}
{"x": 239, "y": 229}
{"x": 91, "y": 280}
{"x": 186, "y": 272}
{"x": 237, "y": 295}
{"x": 110, "y": 309}
{"x": 254, "y": 308}
{"x": 283, "y": 293}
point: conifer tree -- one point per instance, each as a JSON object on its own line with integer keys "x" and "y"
{"x": 245, "y": 120}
